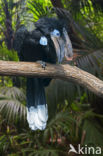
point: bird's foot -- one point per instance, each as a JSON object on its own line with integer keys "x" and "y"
{"x": 43, "y": 64}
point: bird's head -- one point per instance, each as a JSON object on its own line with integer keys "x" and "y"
{"x": 56, "y": 30}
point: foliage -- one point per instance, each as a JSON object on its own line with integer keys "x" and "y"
{"x": 9, "y": 20}
{"x": 72, "y": 117}
{"x": 11, "y": 104}
{"x": 87, "y": 13}
{"x": 7, "y": 55}
{"x": 66, "y": 127}
{"x": 39, "y": 9}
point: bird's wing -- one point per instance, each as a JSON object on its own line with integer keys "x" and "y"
{"x": 26, "y": 44}
{"x": 19, "y": 38}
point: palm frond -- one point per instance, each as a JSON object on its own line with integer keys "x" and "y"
{"x": 75, "y": 6}
{"x": 93, "y": 129}
{"x": 92, "y": 63}
{"x": 61, "y": 122}
{"x": 44, "y": 152}
{"x": 13, "y": 92}
{"x": 12, "y": 110}
{"x": 11, "y": 106}
{"x": 38, "y": 9}
{"x": 81, "y": 37}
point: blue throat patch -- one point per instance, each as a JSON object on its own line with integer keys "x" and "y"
{"x": 43, "y": 41}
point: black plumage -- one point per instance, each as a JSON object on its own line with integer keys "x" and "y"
{"x": 48, "y": 42}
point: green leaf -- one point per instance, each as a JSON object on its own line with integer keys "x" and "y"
{"x": 94, "y": 133}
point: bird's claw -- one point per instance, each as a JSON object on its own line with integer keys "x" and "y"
{"x": 43, "y": 64}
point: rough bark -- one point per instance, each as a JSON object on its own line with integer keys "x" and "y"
{"x": 8, "y": 23}
{"x": 64, "y": 72}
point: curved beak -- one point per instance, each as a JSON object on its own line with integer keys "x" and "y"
{"x": 63, "y": 46}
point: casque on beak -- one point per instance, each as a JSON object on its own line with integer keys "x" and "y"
{"x": 62, "y": 45}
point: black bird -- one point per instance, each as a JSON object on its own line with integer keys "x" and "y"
{"x": 49, "y": 42}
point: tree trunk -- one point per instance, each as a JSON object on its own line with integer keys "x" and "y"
{"x": 64, "y": 72}
{"x": 57, "y": 3}
{"x": 8, "y": 23}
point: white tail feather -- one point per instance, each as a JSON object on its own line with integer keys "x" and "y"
{"x": 37, "y": 117}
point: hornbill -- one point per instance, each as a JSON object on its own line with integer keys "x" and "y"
{"x": 48, "y": 42}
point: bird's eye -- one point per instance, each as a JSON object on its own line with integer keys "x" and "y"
{"x": 55, "y": 33}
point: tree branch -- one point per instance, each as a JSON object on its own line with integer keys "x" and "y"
{"x": 64, "y": 72}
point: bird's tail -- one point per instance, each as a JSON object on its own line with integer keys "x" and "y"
{"x": 37, "y": 111}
